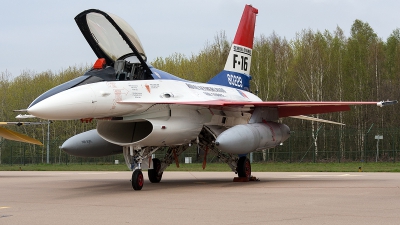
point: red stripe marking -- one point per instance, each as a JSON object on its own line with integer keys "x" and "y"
{"x": 272, "y": 130}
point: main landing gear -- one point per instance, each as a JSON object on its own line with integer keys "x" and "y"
{"x": 240, "y": 166}
{"x": 243, "y": 170}
{"x": 134, "y": 158}
{"x": 244, "y": 167}
{"x": 154, "y": 174}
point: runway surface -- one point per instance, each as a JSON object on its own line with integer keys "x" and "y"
{"x": 199, "y": 198}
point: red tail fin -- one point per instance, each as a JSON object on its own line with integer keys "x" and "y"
{"x": 245, "y": 32}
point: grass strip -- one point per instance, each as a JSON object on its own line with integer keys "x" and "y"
{"x": 256, "y": 167}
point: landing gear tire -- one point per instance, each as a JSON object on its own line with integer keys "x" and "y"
{"x": 137, "y": 180}
{"x": 243, "y": 167}
{"x": 154, "y": 177}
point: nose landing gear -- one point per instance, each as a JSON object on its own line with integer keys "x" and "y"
{"x": 137, "y": 180}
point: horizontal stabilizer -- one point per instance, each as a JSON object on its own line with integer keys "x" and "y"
{"x": 302, "y": 117}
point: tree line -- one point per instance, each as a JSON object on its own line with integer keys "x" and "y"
{"x": 313, "y": 66}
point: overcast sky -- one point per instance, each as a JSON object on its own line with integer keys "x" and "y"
{"x": 42, "y": 35}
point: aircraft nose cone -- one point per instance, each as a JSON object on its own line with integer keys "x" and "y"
{"x": 75, "y": 103}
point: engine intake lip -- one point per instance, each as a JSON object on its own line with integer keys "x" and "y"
{"x": 123, "y": 132}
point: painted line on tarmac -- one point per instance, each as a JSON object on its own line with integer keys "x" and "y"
{"x": 4, "y": 207}
{"x": 2, "y": 216}
{"x": 82, "y": 173}
{"x": 97, "y": 173}
{"x": 328, "y": 175}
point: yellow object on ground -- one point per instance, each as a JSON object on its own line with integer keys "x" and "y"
{"x": 15, "y": 136}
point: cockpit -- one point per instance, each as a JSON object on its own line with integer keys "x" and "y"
{"x": 120, "y": 53}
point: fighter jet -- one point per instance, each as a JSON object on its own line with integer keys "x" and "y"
{"x": 140, "y": 109}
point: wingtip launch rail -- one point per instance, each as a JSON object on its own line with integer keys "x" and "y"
{"x": 386, "y": 103}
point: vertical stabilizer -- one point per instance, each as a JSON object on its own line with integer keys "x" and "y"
{"x": 237, "y": 68}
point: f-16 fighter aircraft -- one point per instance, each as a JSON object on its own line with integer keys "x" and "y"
{"x": 141, "y": 109}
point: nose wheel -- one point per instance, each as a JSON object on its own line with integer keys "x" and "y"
{"x": 137, "y": 180}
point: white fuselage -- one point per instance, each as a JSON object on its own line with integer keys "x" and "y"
{"x": 128, "y": 98}
{"x": 150, "y": 112}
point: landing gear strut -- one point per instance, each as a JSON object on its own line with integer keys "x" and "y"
{"x": 240, "y": 166}
{"x": 154, "y": 174}
{"x": 134, "y": 157}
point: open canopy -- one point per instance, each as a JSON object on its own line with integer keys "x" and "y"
{"x": 109, "y": 36}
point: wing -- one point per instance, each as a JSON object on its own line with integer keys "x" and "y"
{"x": 316, "y": 119}
{"x": 285, "y": 109}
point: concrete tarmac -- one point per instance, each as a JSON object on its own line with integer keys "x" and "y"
{"x": 199, "y": 198}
